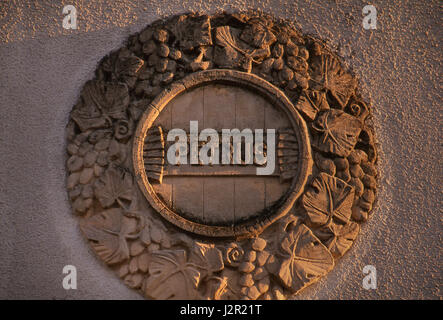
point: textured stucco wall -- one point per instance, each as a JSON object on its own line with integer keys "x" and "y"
{"x": 43, "y": 67}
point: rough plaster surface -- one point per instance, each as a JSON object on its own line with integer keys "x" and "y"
{"x": 43, "y": 67}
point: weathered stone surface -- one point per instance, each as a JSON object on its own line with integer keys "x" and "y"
{"x": 245, "y": 72}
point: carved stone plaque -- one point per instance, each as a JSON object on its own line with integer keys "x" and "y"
{"x": 228, "y": 214}
{"x": 221, "y": 157}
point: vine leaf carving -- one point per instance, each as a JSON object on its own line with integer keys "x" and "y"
{"x": 338, "y": 238}
{"x": 258, "y": 33}
{"x": 126, "y": 69}
{"x": 108, "y": 232}
{"x": 175, "y": 276}
{"x": 123, "y": 66}
{"x": 327, "y": 74}
{"x": 311, "y": 102}
{"x": 328, "y": 198}
{"x": 233, "y": 53}
{"x": 172, "y": 276}
{"x": 304, "y": 259}
{"x": 192, "y": 32}
{"x": 337, "y": 132}
{"x": 100, "y": 101}
{"x": 208, "y": 257}
{"x": 115, "y": 186}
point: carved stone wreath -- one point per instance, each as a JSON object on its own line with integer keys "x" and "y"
{"x": 273, "y": 256}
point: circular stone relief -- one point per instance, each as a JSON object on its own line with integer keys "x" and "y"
{"x": 233, "y": 217}
{"x": 230, "y": 148}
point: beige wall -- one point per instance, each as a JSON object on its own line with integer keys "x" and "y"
{"x": 43, "y": 67}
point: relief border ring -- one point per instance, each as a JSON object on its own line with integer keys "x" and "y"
{"x": 249, "y": 227}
